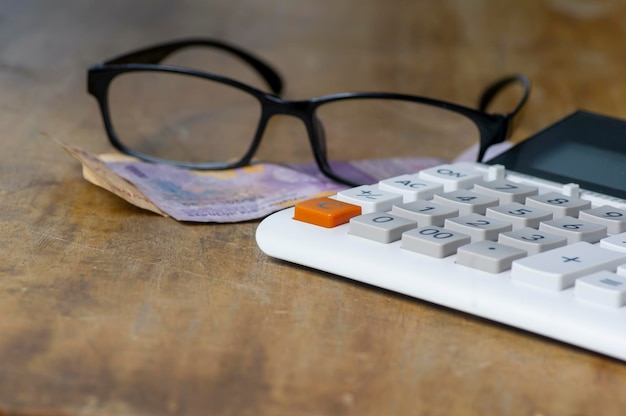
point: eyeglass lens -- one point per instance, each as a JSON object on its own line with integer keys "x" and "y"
{"x": 372, "y": 139}
{"x": 182, "y": 118}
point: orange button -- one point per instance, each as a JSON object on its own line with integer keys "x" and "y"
{"x": 325, "y": 212}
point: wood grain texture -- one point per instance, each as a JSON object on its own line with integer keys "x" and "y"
{"x": 110, "y": 310}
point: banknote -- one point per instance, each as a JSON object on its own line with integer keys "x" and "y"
{"x": 233, "y": 195}
{"x": 96, "y": 172}
{"x": 222, "y": 196}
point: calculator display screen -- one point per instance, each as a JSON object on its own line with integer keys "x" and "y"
{"x": 584, "y": 148}
{"x": 605, "y": 166}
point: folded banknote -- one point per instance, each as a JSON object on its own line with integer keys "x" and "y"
{"x": 232, "y": 195}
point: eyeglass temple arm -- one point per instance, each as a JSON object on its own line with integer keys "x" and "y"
{"x": 509, "y": 119}
{"x": 156, "y": 54}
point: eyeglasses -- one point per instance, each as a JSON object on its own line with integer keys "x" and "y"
{"x": 200, "y": 120}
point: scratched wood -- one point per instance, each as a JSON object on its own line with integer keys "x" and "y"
{"x": 110, "y": 310}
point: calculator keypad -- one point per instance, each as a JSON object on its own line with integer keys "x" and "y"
{"x": 546, "y": 239}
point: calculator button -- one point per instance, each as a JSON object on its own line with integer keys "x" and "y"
{"x": 559, "y": 204}
{"x": 615, "y": 242}
{"x": 531, "y": 240}
{"x": 452, "y": 177}
{"x": 325, "y": 212}
{"x": 380, "y": 227}
{"x": 425, "y": 212}
{"x": 433, "y": 241}
{"x": 488, "y": 256}
{"x": 604, "y": 288}
{"x": 574, "y": 229}
{"x": 613, "y": 218}
{"x": 370, "y": 198}
{"x": 478, "y": 227}
{"x": 411, "y": 187}
{"x": 558, "y": 269}
{"x": 467, "y": 202}
{"x": 505, "y": 190}
{"x": 519, "y": 215}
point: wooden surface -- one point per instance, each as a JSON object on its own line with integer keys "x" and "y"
{"x": 110, "y": 310}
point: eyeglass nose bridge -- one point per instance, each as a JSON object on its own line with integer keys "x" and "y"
{"x": 300, "y": 109}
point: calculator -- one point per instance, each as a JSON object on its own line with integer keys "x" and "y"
{"x": 534, "y": 238}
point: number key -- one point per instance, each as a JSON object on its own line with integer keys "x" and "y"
{"x": 574, "y": 229}
{"x": 506, "y": 191}
{"x": 613, "y": 218}
{"x": 478, "y": 227}
{"x": 532, "y": 241}
{"x": 425, "y": 212}
{"x": 380, "y": 227}
{"x": 467, "y": 202}
{"x": 519, "y": 215}
{"x": 434, "y": 241}
{"x": 559, "y": 204}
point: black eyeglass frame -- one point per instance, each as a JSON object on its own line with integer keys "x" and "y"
{"x": 493, "y": 128}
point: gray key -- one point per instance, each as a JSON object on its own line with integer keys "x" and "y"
{"x": 519, "y": 215}
{"x": 488, "y": 256}
{"x": 532, "y": 241}
{"x": 558, "y": 269}
{"x": 560, "y": 205}
{"x": 434, "y": 241}
{"x": 425, "y": 212}
{"x": 603, "y": 288}
{"x": 478, "y": 226}
{"x": 467, "y": 202}
{"x": 574, "y": 229}
{"x": 614, "y": 219}
{"x": 380, "y": 227}
{"x": 505, "y": 191}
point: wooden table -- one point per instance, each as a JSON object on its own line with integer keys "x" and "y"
{"x": 111, "y": 310}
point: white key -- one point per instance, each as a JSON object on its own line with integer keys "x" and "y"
{"x": 478, "y": 226}
{"x": 574, "y": 229}
{"x": 532, "y": 241}
{"x": 370, "y": 198}
{"x": 614, "y": 219}
{"x": 559, "y": 204}
{"x": 506, "y": 191}
{"x": 488, "y": 256}
{"x": 425, "y": 212}
{"x": 604, "y": 288}
{"x": 411, "y": 187}
{"x": 467, "y": 202}
{"x": 379, "y": 226}
{"x": 521, "y": 216}
{"x": 452, "y": 177}
{"x": 558, "y": 269}
{"x": 615, "y": 242}
{"x": 434, "y": 241}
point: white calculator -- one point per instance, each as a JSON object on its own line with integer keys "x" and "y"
{"x": 544, "y": 252}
